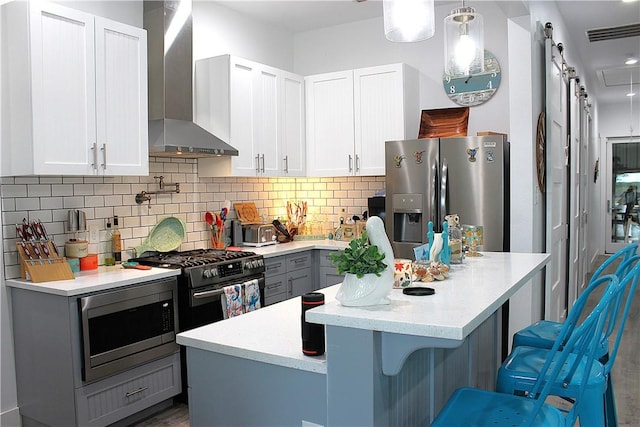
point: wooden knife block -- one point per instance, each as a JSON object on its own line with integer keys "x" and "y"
{"x": 49, "y": 270}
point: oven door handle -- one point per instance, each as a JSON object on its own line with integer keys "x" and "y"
{"x": 208, "y": 294}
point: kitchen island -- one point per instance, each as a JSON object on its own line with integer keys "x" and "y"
{"x": 393, "y": 364}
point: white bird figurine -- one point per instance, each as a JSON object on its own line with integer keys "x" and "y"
{"x": 371, "y": 289}
{"x": 436, "y": 248}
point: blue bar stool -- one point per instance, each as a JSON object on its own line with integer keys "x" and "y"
{"x": 521, "y": 370}
{"x": 474, "y": 407}
{"x": 543, "y": 333}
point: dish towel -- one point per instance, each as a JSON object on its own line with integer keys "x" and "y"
{"x": 251, "y": 295}
{"x": 232, "y": 301}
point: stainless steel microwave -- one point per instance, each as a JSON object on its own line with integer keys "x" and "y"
{"x": 127, "y": 327}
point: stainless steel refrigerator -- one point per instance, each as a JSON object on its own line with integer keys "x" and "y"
{"x": 429, "y": 178}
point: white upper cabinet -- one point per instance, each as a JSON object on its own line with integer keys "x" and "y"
{"x": 350, "y": 115}
{"x": 74, "y": 93}
{"x": 257, "y": 109}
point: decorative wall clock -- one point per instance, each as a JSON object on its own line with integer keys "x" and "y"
{"x": 476, "y": 88}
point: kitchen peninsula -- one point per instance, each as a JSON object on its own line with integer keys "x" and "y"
{"x": 393, "y": 364}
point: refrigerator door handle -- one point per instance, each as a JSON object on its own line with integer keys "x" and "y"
{"x": 433, "y": 202}
{"x": 444, "y": 183}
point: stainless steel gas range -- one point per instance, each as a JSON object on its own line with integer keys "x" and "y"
{"x": 205, "y": 272}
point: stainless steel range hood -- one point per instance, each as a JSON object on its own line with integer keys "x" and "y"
{"x": 170, "y": 61}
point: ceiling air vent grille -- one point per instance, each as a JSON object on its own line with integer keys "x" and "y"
{"x": 612, "y": 33}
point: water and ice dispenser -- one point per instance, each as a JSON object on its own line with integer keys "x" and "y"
{"x": 408, "y": 222}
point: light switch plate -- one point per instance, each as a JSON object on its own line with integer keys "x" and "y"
{"x": 94, "y": 235}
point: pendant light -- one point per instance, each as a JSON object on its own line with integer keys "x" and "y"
{"x": 463, "y": 42}
{"x": 408, "y": 20}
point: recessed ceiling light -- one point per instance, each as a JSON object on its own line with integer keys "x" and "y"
{"x": 631, "y": 61}
{"x": 631, "y": 94}
{"x": 628, "y": 1}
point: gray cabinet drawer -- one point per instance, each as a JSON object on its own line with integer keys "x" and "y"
{"x": 298, "y": 261}
{"x": 275, "y": 298}
{"x": 325, "y": 258}
{"x": 104, "y": 402}
{"x": 329, "y": 276}
{"x": 274, "y": 285}
{"x": 276, "y": 265}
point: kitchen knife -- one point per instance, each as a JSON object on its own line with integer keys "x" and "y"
{"x": 20, "y": 233}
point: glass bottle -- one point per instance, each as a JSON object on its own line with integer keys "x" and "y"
{"x": 116, "y": 241}
{"x": 108, "y": 258}
{"x": 455, "y": 238}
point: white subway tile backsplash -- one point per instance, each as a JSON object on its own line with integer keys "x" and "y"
{"x": 27, "y": 204}
{"x": 50, "y": 198}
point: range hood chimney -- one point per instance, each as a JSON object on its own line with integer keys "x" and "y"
{"x": 172, "y": 132}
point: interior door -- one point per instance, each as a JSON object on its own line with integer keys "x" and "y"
{"x": 621, "y": 173}
{"x": 574, "y": 195}
{"x": 585, "y": 175}
{"x": 556, "y": 195}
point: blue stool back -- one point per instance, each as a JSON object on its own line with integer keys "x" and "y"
{"x": 543, "y": 334}
{"x": 475, "y": 407}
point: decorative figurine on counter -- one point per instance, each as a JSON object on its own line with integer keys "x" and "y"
{"x": 455, "y": 237}
{"x": 439, "y": 244}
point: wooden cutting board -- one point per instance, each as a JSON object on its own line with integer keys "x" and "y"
{"x": 247, "y": 213}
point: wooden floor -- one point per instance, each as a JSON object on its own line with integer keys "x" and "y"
{"x": 626, "y": 377}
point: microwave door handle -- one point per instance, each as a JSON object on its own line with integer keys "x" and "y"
{"x": 208, "y": 294}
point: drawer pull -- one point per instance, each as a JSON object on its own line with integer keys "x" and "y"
{"x": 131, "y": 393}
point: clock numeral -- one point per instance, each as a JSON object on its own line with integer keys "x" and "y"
{"x": 494, "y": 74}
{"x": 452, "y": 89}
{"x": 490, "y": 85}
{"x": 448, "y": 79}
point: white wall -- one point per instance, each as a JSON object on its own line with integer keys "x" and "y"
{"x": 363, "y": 44}
{"x": 218, "y": 30}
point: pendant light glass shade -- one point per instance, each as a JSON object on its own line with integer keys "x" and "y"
{"x": 408, "y": 20}
{"x": 463, "y": 42}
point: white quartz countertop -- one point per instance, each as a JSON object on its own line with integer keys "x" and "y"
{"x": 473, "y": 291}
{"x": 271, "y": 335}
{"x": 101, "y": 279}
{"x": 296, "y": 246}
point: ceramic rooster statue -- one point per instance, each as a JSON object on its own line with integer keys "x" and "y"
{"x": 371, "y": 289}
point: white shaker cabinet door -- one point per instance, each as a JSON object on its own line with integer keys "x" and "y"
{"x": 121, "y": 99}
{"x": 330, "y": 132}
{"x": 268, "y": 130}
{"x": 63, "y": 90}
{"x": 293, "y": 153}
{"x": 243, "y": 116}
{"x": 379, "y": 115}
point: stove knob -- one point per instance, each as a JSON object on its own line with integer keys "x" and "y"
{"x": 206, "y": 273}
{"x": 214, "y": 271}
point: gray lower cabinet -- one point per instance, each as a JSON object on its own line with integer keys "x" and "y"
{"x": 288, "y": 276}
{"x": 327, "y": 272}
{"x": 48, "y": 349}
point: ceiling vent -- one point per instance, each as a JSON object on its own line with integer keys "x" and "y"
{"x": 612, "y": 33}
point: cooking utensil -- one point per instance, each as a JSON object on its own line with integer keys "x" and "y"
{"x": 208, "y": 217}
{"x": 167, "y": 235}
{"x": 281, "y": 228}
{"x": 135, "y": 265}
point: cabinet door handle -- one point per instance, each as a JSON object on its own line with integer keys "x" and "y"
{"x": 131, "y": 393}
{"x": 262, "y": 158}
{"x": 286, "y": 164}
{"x": 290, "y": 287}
{"x": 257, "y": 163}
{"x": 94, "y": 148}
{"x": 104, "y": 155}
{"x": 350, "y": 163}
{"x": 357, "y": 163}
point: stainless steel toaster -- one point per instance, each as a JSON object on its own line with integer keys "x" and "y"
{"x": 258, "y": 235}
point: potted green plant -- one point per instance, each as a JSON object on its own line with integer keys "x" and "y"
{"x": 367, "y": 264}
{"x": 359, "y": 258}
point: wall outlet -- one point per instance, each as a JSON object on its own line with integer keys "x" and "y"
{"x": 94, "y": 235}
